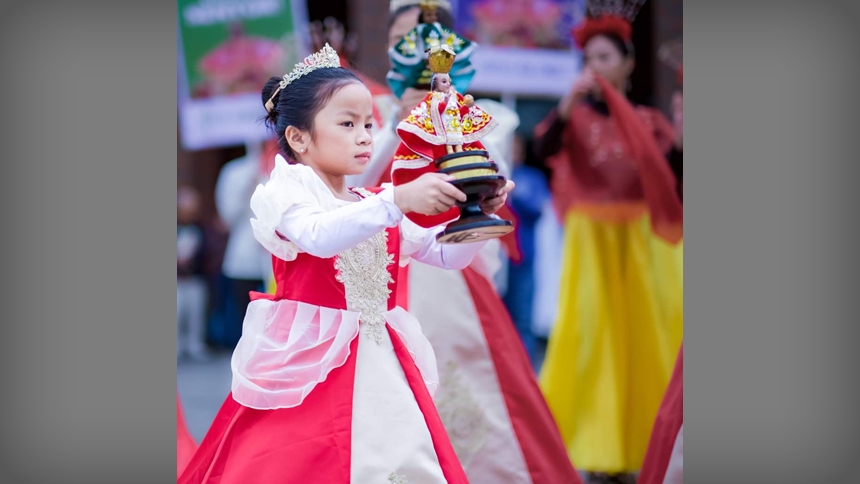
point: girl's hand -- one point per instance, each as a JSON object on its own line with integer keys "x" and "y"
{"x": 430, "y": 194}
{"x": 492, "y": 205}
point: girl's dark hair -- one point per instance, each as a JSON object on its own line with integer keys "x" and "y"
{"x": 298, "y": 103}
{"x": 626, "y": 48}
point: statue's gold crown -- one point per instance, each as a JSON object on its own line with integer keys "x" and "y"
{"x": 440, "y": 57}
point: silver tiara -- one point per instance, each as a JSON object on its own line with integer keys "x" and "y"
{"x": 326, "y": 57}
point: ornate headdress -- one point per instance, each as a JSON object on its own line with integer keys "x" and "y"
{"x": 614, "y": 17}
{"x": 326, "y": 57}
{"x": 671, "y": 53}
{"x": 440, "y": 57}
{"x": 411, "y": 57}
{"x": 396, "y": 4}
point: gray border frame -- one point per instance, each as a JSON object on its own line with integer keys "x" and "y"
{"x": 89, "y": 104}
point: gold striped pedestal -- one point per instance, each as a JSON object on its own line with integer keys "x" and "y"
{"x": 478, "y": 177}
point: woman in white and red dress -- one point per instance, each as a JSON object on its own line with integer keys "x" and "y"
{"x": 488, "y": 398}
{"x": 332, "y": 382}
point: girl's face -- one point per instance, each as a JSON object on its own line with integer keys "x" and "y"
{"x": 604, "y": 58}
{"x": 341, "y": 143}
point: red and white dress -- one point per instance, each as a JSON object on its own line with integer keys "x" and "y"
{"x": 332, "y": 382}
{"x": 488, "y": 398}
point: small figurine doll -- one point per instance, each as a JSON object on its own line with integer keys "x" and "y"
{"x": 452, "y": 112}
{"x": 444, "y": 121}
{"x": 442, "y": 135}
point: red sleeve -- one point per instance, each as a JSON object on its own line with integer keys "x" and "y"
{"x": 658, "y": 181}
{"x": 664, "y": 133}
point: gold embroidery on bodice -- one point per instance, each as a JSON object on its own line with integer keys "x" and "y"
{"x": 363, "y": 271}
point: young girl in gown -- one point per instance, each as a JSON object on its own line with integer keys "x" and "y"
{"x": 488, "y": 398}
{"x": 332, "y": 382}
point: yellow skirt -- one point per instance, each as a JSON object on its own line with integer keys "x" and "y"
{"x": 612, "y": 349}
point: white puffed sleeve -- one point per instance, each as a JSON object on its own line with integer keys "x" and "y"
{"x": 294, "y": 211}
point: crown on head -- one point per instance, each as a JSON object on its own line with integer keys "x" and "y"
{"x": 613, "y": 17}
{"x": 396, "y": 4}
{"x": 432, "y": 5}
{"x": 326, "y": 57}
{"x": 626, "y": 9}
{"x": 440, "y": 57}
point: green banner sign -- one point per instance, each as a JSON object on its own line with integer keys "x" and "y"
{"x": 228, "y": 49}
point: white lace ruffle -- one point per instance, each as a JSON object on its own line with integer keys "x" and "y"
{"x": 289, "y": 347}
{"x": 288, "y": 185}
